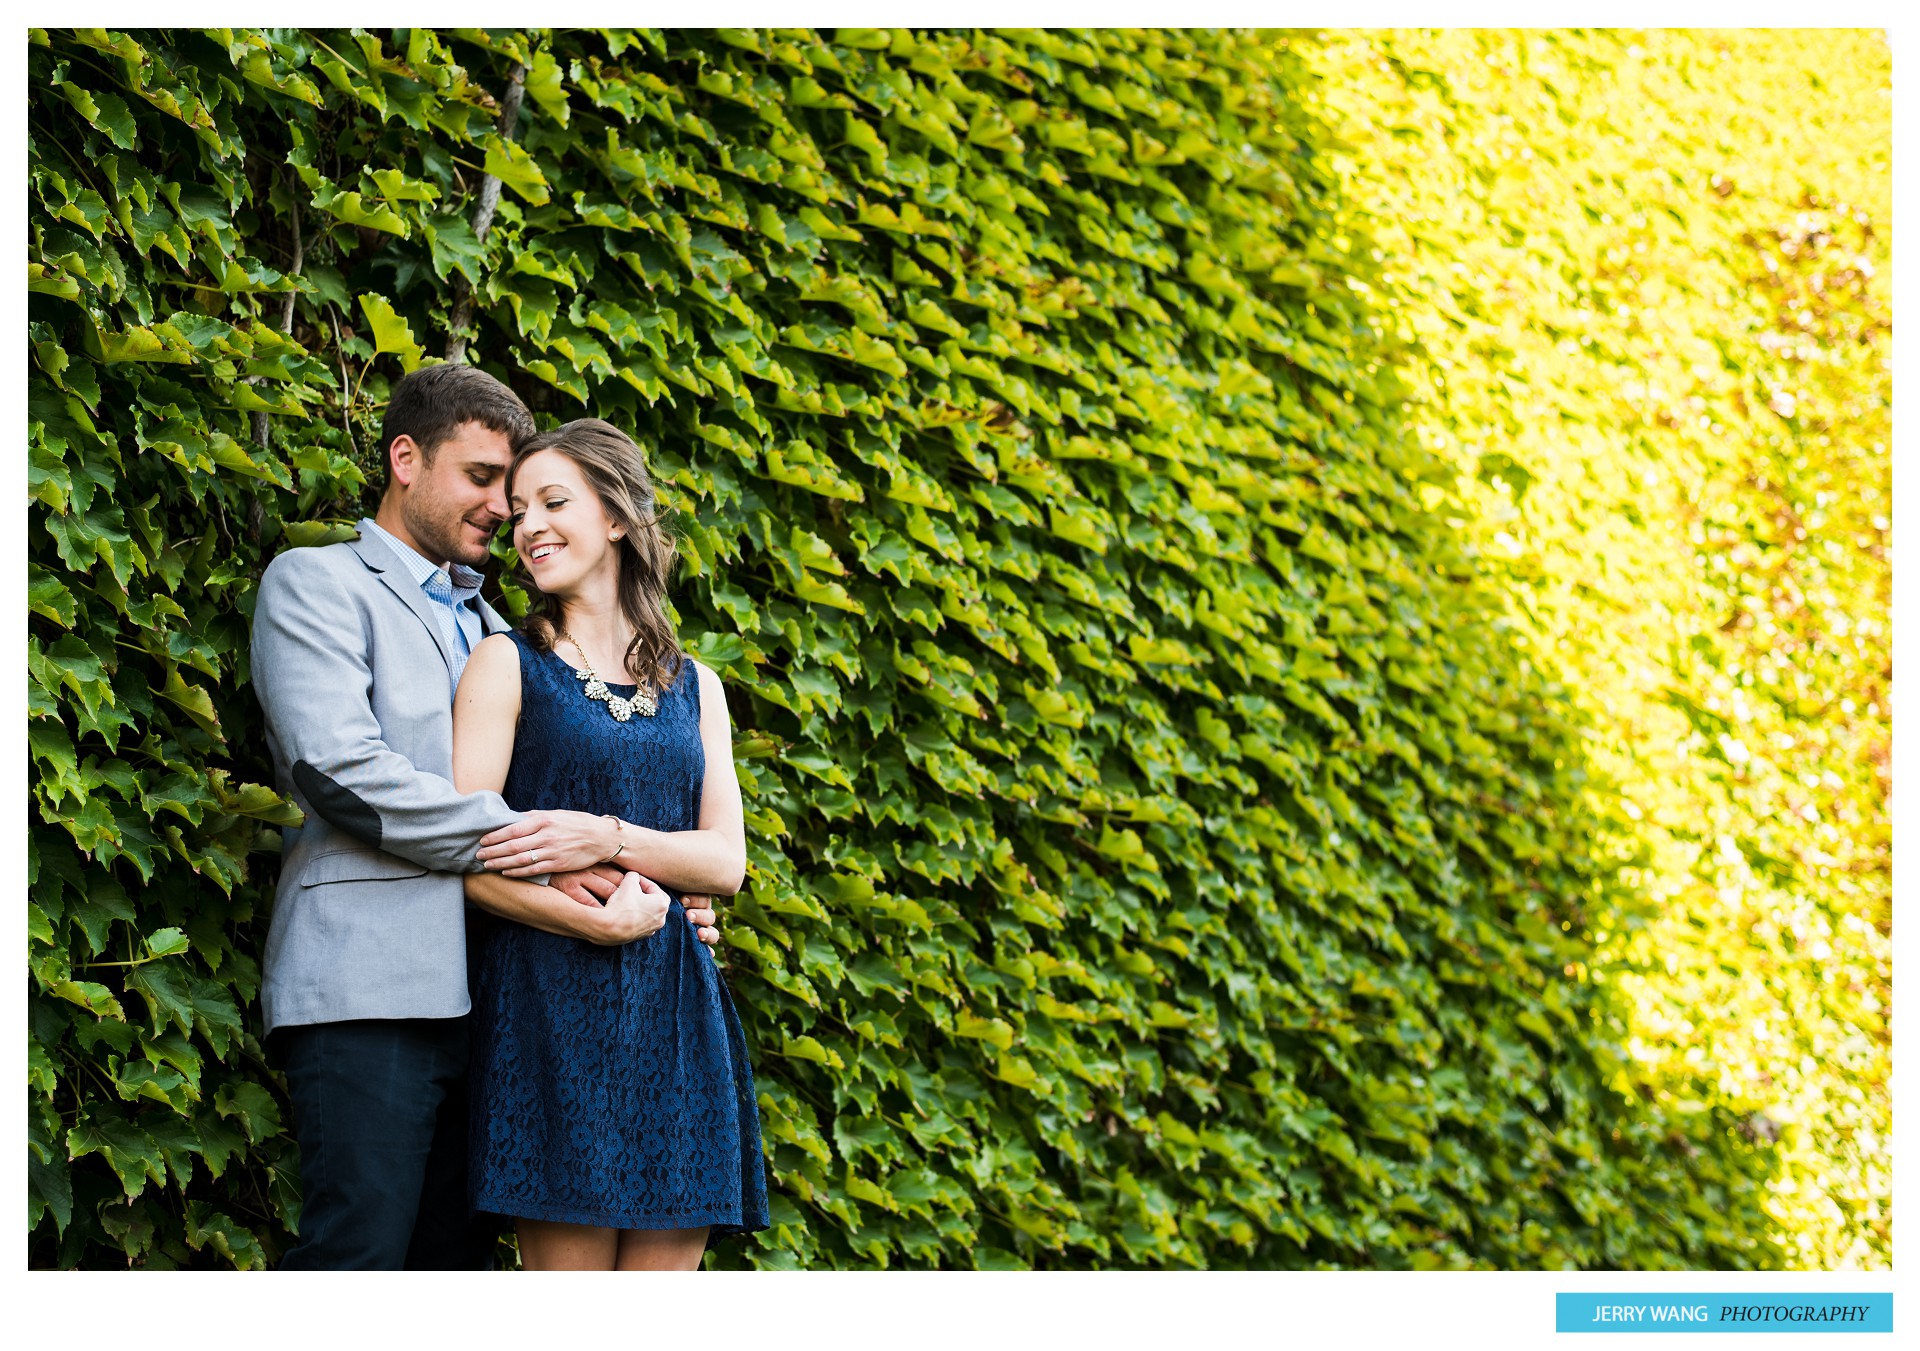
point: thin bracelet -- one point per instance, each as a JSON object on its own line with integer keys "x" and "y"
{"x": 620, "y": 834}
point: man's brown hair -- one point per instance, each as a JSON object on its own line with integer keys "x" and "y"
{"x": 431, "y": 404}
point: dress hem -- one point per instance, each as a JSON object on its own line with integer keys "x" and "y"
{"x": 721, "y": 1224}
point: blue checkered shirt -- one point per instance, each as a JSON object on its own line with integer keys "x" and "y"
{"x": 452, "y": 589}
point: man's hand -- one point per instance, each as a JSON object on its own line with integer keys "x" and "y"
{"x": 595, "y": 886}
{"x": 549, "y": 842}
{"x": 590, "y": 886}
{"x": 637, "y": 909}
{"x": 700, "y": 915}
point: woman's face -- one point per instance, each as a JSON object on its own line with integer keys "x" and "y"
{"x": 560, "y": 529}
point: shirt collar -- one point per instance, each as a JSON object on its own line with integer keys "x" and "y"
{"x": 465, "y": 581}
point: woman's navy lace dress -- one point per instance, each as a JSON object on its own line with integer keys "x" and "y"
{"x": 610, "y": 1084}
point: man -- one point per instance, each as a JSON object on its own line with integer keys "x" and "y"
{"x": 357, "y": 648}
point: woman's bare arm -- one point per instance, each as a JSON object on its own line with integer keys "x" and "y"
{"x": 713, "y": 858}
{"x": 486, "y": 712}
{"x": 710, "y": 860}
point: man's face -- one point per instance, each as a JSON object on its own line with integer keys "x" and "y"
{"x": 456, "y": 501}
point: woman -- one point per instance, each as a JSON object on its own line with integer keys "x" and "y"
{"x": 613, "y": 1108}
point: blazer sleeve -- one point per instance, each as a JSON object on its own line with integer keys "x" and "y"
{"x": 314, "y": 678}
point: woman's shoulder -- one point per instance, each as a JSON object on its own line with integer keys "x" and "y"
{"x": 501, "y": 646}
{"x": 492, "y": 673}
{"x": 497, "y": 652}
{"x": 532, "y": 650}
{"x": 702, "y": 682}
{"x": 692, "y": 672}
{"x": 528, "y": 641}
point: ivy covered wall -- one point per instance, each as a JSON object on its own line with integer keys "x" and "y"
{"x": 1659, "y": 321}
{"x": 1166, "y": 846}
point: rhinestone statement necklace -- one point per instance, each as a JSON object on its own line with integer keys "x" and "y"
{"x": 642, "y": 702}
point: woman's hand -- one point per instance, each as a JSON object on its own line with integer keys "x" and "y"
{"x": 549, "y": 842}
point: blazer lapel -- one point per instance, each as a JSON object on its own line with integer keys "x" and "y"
{"x": 378, "y": 556}
{"x": 490, "y": 620}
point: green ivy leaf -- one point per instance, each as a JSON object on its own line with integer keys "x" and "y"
{"x": 509, "y": 162}
{"x": 353, "y": 209}
{"x": 391, "y": 333}
{"x": 105, "y": 110}
{"x": 544, "y": 86}
{"x": 129, "y": 1151}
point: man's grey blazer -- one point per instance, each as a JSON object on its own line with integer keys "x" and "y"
{"x": 352, "y": 672}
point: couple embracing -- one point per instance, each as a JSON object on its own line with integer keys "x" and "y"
{"x": 488, "y": 976}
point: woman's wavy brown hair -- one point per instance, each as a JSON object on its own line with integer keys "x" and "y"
{"x": 617, "y": 473}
